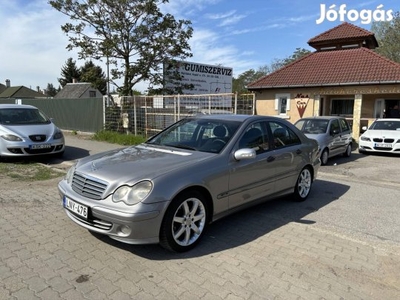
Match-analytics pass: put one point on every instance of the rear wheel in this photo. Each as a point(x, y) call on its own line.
point(324, 157)
point(184, 222)
point(347, 153)
point(303, 185)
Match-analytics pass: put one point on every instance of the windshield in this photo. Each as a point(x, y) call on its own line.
point(22, 116)
point(385, 125)
point(197, 134)
point(312, 126)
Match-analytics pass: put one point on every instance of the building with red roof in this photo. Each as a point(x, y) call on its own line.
point(344, 76)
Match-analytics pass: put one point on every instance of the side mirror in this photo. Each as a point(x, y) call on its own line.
point(245, 153)
point(364, 128)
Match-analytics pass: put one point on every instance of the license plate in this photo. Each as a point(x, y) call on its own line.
point(40, 146)
point(77, 208)
point(382, 145)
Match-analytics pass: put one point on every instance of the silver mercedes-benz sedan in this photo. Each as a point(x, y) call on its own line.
point(26, 131)
point(170, 188)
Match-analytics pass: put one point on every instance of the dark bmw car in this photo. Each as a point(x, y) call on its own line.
point(170, 188)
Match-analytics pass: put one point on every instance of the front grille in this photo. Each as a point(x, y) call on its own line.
point(380, 140)
point(37, 138)
point(92, 188)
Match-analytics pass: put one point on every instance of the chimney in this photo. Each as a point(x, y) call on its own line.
point(38, 89)
point(8, 84)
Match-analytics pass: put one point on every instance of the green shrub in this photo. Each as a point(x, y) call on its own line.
point(118, 138)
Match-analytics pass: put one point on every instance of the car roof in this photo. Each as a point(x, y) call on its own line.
point(239, 118)
point(322, 118)
point(8, 106)
point(387, 119)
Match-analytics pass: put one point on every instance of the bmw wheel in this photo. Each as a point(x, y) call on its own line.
point(184, 222)
point(303, 185)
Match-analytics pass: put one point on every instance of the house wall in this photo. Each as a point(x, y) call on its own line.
point(318, 101)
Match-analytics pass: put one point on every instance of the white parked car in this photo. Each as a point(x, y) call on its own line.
point(382, 136)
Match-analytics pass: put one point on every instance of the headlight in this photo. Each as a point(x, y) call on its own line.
point(58, 135)
point(12, 138)
point(365, 139)
point(70, 174)
point(131, 195)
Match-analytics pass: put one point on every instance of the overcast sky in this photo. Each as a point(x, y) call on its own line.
point(238, 34)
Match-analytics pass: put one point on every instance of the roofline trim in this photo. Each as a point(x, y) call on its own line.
point(324, 84)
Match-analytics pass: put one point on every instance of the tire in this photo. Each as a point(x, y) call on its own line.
point(324, 157)
point(303, 185)
point(347, 153)
point(184, 222)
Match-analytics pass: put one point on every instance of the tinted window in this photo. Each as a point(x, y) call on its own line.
point(283, 136)
point(345, 125)
point(255, 137)
point(335, 126)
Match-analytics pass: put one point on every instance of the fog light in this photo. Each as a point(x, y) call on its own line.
point(124, 230)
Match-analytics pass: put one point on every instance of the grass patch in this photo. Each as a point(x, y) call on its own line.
point(118, 138)
point(28, 171)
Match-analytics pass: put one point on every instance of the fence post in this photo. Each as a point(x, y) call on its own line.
point(134, 114)
point(254, 103)
point(235, 109)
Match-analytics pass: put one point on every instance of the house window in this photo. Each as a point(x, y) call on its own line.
point(92, 94)
point(342, 106)
point(282, 103)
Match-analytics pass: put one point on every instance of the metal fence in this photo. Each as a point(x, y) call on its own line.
point(147, 115)
point(138, 115)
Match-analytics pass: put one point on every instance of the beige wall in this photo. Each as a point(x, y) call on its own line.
point(265, 101)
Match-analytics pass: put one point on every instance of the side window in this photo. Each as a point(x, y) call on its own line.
point(255, 137)
point(335, 126)
point(282, 103)
point(344, 124)
point(283, 136)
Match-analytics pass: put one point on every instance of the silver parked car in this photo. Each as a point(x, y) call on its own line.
point(194, 172)
point(333, 134)
point(26, 131)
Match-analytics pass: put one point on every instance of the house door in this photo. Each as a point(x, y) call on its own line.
point(379, 108)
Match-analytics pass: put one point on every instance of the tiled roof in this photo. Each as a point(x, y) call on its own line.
point(338, 67)
point(344, 31)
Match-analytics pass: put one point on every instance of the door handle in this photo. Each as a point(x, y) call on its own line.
point(270, 158)
point(298, 151)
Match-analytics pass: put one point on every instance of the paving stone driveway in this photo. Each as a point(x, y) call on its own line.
point(278, 250)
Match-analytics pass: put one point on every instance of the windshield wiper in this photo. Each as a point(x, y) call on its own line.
point(182, 146)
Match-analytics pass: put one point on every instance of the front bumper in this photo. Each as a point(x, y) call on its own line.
point(138, 224)
point(16, 149)
point(366, 146)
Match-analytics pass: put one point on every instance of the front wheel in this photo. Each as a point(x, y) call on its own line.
point(184, 222)
point(303, 185)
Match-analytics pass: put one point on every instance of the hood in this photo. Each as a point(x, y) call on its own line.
point(26, 130)
point(394, 134)
point(132, 164)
